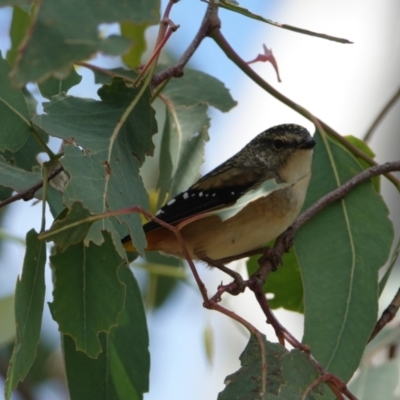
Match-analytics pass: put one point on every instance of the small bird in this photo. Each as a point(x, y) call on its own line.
point(283, 155)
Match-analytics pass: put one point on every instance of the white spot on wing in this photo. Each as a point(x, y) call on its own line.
point(185, 195)
point(171, 202)
point(200, 194)
point(159, 212)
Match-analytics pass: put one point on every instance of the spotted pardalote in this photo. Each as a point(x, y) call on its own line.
point(282, 155)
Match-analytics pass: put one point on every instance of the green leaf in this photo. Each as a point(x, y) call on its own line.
point(122, 369)
point(191, 131)
point(53, 43)
point(135, 32)
point(7, 326)
point(105, 79)
point(19, 25)
point(88, 296)
point(197, 87)
point(186, 128)
point(361, 145)
point(15, 125)
point(279, 375)
point(72, 229)
point(26, 156)
point(17, 178)
point(285, 283)
point(116, 139)
point(52, 86)
point(377, 382)
point(340, 251)
point(29, 300)
point(299, 372)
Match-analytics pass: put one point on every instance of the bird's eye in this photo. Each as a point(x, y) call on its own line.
point(278, 144)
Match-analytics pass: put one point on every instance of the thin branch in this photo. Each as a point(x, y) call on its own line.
point(209, 23)
point(29, 193)
point(341, 191)
point(236, 59)
point(389, 313)
point(240, 10)
point(382, 115)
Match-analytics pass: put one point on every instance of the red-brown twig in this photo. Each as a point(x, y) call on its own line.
point(181, 241)
point(209, 23)
point(389, 313)
point(342, 190)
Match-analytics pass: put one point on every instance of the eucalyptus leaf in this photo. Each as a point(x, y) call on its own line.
point(340, 251)
point(88, 295)
point(29, 302)
point(116, 135)
point(53, 43)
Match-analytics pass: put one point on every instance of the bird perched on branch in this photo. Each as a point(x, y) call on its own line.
point(241, 205)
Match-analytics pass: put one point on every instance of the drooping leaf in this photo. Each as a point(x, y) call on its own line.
point(122, 369)
point(186, 128)
point(15, 126)
point(53, 43)
point(116, 139)
point(340, 251)
point(88, 296)
point(29, 300)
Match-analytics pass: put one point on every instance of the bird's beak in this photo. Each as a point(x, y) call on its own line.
point(309, 144)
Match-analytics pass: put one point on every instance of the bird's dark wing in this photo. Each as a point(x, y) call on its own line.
point(213, 191)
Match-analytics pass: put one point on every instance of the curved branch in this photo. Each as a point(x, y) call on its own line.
point(29, 193)
point(382, 115)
